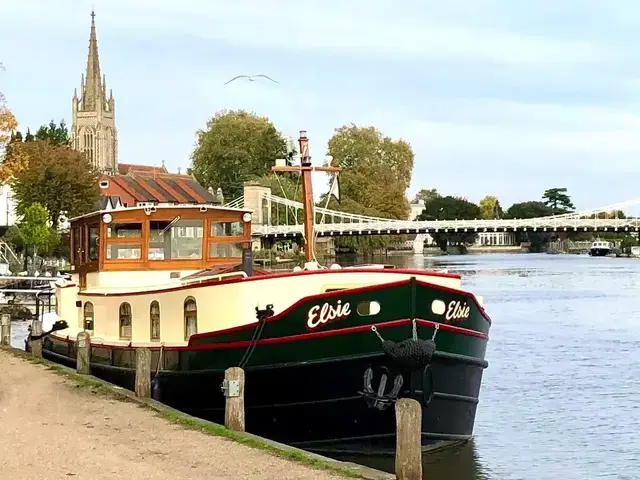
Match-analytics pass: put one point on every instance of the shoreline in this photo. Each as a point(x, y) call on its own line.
point(315, 465)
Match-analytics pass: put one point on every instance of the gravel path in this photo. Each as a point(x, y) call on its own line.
point(50, 430)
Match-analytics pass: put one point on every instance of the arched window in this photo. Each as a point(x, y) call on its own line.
point(88, 316)
point(190, 317)
point(154, 316)
point(125, 321)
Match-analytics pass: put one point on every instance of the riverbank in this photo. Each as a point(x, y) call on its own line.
point(57, 424)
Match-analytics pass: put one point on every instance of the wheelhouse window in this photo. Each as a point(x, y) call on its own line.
point(154, 315)
point(225, 250)
point(123, 251)
point(94, 239)
point(88, 316)
point(227, 229)
point(190, 317)
point(176, 239)
point(125, 321)
point(77, 247)
point(124, 230)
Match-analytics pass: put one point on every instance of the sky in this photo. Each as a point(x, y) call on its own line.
point(496, 97)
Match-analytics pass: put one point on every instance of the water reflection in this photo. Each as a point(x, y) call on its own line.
point(454, 463)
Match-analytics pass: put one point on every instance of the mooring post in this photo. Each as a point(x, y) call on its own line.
point(5, 329)
point(83, 353)
point(408, 439)
point(36, 345)
point(233, 389)
point(143, 372)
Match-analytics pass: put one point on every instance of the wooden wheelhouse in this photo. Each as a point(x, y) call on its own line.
point(176, 238)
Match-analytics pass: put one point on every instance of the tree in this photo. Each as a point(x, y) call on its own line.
point(8, 122)
point(235, 147)
point(533, 209)
point(376, 172)
point(451, 208)
point(32, 235)
point(59, 178)
point(425, 195)
point(558, 200)
point(490, 208)
point(55, 134)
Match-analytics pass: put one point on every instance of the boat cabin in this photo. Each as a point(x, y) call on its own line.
point(153, 244)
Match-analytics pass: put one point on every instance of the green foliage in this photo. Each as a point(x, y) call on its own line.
point(55, 134)
point(558, 200)
point(531, 209)
point(29, 136)
point(32, 235)
point(235, 147)
point(490, 208)
point(627, 242)
point(425, 195)
point(376, 172)
point(285, 187)
point(451, 208)
point(58, 178)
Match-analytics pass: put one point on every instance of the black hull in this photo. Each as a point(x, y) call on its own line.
point(599, 252)
point(318, 406)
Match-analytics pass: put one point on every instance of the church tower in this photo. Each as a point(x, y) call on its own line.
point(93, 130)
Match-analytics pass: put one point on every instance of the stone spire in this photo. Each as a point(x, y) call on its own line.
point(92, 92)
point(94, 129)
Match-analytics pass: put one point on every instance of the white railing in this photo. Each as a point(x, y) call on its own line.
point(349, 223)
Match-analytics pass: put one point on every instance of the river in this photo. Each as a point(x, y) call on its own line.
point(561, 396)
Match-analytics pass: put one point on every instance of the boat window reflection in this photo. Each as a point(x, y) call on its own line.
point(125, 321)
point(367, 308)
point(154, 314)
point(190, 317)
point(175, 240)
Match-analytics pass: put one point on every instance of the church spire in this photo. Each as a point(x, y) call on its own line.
point(92, 93)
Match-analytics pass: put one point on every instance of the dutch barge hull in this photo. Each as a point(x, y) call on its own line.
point(309, 389)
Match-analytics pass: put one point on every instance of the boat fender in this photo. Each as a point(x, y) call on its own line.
point(412, 353)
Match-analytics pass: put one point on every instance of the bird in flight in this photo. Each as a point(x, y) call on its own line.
point(251, 78)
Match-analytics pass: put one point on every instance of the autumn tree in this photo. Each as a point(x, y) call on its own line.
point(58, 178)
point(235, 147)
point(8, 122)
point(558, 200)
point(490, 208)
point(451, 208)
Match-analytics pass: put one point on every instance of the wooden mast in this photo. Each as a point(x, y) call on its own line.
point(305, 170)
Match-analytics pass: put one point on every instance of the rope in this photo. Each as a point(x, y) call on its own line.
point(257, 333)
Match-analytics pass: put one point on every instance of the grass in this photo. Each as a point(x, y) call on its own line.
point(100, 387)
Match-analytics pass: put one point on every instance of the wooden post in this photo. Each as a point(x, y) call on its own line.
point(408, 439)
point(143, 372)
point(83, 353)
point(233, 388)
point(36, 345)
point(5, 330)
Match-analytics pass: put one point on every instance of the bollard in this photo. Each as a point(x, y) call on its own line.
point(143, 372)
point(5, 330)
point(408, 439)
point(233, 389)
point(83, 353)
point(36, 345)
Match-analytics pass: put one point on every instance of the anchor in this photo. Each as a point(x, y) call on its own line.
point(379, 399)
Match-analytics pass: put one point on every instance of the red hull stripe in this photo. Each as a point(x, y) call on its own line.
point(272, 276)
point(306, 336)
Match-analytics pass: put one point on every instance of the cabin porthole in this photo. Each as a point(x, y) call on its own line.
point(366, 309)
point(438, 307)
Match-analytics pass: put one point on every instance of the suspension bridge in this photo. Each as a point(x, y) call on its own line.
point(280, 217)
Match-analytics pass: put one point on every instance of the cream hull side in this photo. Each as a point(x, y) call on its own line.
point(220, 306)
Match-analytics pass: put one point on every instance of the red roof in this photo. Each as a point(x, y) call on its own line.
point(125, 168)
point(156, 187)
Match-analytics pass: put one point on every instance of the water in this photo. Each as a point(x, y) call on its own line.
point(561, 396)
